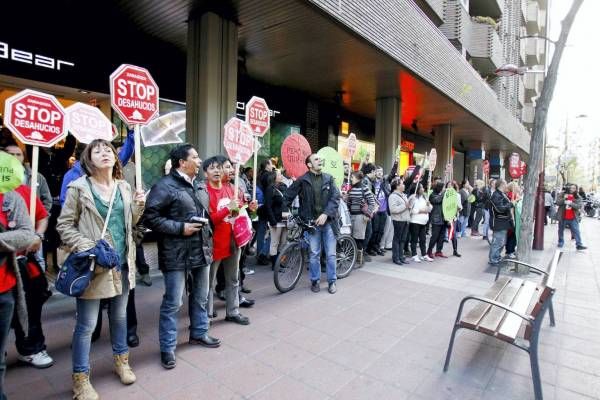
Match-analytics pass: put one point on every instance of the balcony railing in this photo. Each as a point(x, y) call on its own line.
point(487, 8)
point(533, 18)
point(533, 50)
point(485, 48)
point(456, 26)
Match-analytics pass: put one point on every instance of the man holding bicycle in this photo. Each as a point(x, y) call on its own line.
point(319, 201)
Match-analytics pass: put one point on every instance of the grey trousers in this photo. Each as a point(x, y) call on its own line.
point(498, 242)
point(230, 267)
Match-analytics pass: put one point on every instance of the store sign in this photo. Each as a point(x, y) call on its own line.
point(238, 140)
point(27, 57)
point(88, 123)
point(258, 116)
point(406, 145)
point(351, 146)
point(35, 118)
point(134, 94)
point(514, 165)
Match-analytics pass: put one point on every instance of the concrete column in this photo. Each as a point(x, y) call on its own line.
point(387, 130)
point(211, 88)
point(475, 170)
point(442, 142)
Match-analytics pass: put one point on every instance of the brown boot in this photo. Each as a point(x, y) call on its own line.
point(82, 388)
point(123, 369)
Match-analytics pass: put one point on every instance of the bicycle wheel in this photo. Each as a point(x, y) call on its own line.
point(288, 267)
point(345, 255)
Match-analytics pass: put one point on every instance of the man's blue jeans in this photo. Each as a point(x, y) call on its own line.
point(498, 242)
point(463, 221)
point(87, 317)
point(322, 237)
point(262, 245)
point(172, 301)
point(486, 222)
point(573, 225)
point(7, 305)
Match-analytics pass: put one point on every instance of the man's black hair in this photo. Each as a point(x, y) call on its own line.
point(218, 160)
point(307, 161)
point(368, 168)
point(180, 152)
point(222, 159)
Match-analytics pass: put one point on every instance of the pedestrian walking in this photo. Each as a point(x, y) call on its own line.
point(478, 206)
point(569, 208)
point(101, 197)
point(319, 202)
point(177, 209)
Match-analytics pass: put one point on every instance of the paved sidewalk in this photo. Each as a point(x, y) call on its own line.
point(382, 336)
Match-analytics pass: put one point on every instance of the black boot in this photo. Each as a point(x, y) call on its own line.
point(273, 261)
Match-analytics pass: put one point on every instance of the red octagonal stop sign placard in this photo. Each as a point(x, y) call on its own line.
point(257, 116)
point(35, 118)
point(238, 140)
point(134, 94)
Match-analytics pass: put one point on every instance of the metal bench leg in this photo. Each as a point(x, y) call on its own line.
point(450, 346)
point(535, 371)
point(551, 313)
point(498, 268)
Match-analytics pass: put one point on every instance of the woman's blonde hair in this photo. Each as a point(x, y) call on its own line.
point(86, 159)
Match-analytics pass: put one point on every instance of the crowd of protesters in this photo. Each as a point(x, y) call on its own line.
point(193, 213)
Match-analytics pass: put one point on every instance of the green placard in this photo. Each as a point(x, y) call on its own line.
point(333, 164)
point(450, 204)
point(11, 172)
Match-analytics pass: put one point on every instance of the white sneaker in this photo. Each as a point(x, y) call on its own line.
point(416, 259)
point(38, 360)
point(248, 271)
point(427, 258)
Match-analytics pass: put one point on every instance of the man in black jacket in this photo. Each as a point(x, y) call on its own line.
point(319, 201)
point(501, 216)
point(176, 209)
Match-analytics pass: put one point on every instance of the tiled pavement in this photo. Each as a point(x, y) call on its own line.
point(382, 336)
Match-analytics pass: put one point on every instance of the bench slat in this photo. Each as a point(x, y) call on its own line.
point(510, 326)
point(471, 320)
point(490, 323)
point(549, 280)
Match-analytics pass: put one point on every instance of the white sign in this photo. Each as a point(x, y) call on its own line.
point(88, 123)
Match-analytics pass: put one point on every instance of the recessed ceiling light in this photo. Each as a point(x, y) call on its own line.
point(83, 91)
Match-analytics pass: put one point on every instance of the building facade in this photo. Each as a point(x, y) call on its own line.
point(403, 73)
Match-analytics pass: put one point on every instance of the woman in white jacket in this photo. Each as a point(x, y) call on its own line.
point(419, 208)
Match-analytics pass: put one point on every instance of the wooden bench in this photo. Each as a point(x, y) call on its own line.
point(512, 311)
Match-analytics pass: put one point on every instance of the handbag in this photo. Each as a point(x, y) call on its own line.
point(77, 271)
point(242, 229)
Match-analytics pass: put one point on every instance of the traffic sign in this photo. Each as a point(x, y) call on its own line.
point(88, 123)
point(258, 116)
point(351, 146)
point(134, 94)
point(35, 118)
point(432, 159)
point(238, 141)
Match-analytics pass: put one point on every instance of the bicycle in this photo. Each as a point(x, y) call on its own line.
point(294, 257)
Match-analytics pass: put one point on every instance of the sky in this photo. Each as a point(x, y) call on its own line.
point(578, 87)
